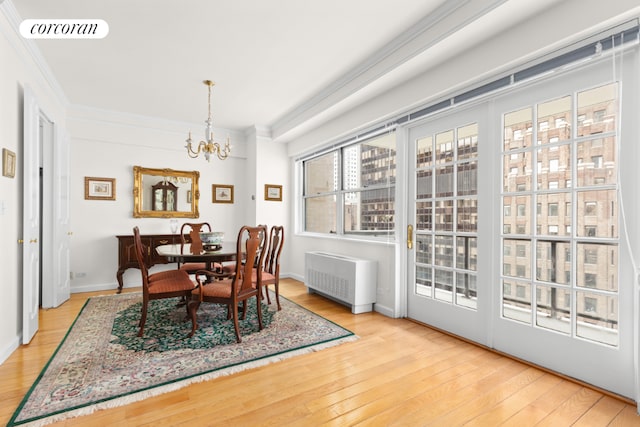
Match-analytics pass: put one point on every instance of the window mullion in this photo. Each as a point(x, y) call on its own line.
point(340, 195)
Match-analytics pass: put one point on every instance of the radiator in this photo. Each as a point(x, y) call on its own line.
point(342, 278)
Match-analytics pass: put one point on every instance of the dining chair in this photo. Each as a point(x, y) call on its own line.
point(194, 230)
point(230, 267)
point(163, 284)
point(236, 288)
point(271, 270)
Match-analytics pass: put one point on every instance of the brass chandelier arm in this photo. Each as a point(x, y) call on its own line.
point(208, 148)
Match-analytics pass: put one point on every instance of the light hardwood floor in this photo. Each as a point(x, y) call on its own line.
point(398, 373)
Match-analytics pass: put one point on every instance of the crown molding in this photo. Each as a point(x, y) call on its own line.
point(411, 43)
point(257, 131)
point(85, 113)
point(14, 19)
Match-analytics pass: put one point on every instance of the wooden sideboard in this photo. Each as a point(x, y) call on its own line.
point(127, 256)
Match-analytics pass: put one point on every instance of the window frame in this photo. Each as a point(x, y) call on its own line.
point(341, 191)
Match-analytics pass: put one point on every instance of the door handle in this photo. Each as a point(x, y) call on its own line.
point(410, 236)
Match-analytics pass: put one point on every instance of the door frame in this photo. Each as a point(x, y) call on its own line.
point(52, 239)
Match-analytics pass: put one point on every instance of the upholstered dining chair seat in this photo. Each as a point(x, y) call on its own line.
point(228, 268)
point(267, 278)
point(163, 275)
point(171, 284)
point(220, 288)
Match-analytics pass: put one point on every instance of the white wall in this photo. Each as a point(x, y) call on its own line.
point(16, 70)
point(109, 145)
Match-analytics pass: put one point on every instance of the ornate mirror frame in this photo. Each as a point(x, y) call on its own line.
point(191, 195)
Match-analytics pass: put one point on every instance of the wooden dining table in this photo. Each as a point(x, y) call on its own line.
point(183, 254)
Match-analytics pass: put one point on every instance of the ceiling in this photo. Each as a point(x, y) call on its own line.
point(282, 65)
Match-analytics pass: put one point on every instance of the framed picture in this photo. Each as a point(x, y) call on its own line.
point(99, 188)
point(222, 193)
point(8, 163)
point(273, 192)
point(188, 196)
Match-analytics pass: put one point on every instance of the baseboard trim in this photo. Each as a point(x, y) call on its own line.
point(7, 351)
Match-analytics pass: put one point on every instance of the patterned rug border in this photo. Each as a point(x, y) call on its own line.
point(172, 385)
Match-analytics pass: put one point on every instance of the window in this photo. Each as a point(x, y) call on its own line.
point(351, 190)
point(598, 115)
point(597, 161)
point(590, 256)
point(590, 259)
point(590, 305)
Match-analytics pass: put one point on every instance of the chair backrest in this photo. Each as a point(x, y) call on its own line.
point(139, 250)
point(194, 229)
point(276, 241)
point(250, 240)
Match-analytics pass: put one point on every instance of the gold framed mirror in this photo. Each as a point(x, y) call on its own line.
point(165, 193)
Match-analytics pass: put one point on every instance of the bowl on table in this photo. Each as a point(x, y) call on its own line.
point(212, 241)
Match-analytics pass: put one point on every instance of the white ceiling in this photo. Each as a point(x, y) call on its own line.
point(282, 64)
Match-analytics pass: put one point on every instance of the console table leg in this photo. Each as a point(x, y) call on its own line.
point(119, 276)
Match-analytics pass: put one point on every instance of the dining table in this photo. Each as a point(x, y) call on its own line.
point(182, 253)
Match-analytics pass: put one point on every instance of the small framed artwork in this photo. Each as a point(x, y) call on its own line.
point(188, 196)
point(8, 163)
point(222, 193)
point(99, 188)
point(273, 192)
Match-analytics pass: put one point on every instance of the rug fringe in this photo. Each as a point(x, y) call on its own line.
point(141, 395)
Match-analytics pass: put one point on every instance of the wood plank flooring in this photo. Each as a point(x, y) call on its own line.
point(399, 373)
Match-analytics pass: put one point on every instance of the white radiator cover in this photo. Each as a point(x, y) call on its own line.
point(346, 279)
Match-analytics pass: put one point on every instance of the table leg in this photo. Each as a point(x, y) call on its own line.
point(119, 277)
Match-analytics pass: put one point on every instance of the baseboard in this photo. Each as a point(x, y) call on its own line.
point(297, 277)
point(384, 310)
point(97, 287)
point(8, 351)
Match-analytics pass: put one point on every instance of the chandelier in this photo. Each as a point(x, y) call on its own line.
point(209, 147)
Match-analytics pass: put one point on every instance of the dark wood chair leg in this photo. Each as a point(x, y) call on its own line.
point(143, 318)
point(277, 286)
point(192, 308)
point(259, 310)
point(235, 322)
point(244, 309)
point(266, 291)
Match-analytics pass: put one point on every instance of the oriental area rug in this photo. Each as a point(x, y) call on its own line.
point(101, 362)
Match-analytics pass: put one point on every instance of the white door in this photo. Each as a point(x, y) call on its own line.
point(565, 286)
point(31, 218)
point(445, 225)
point(61, 221)
point(519, 241)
